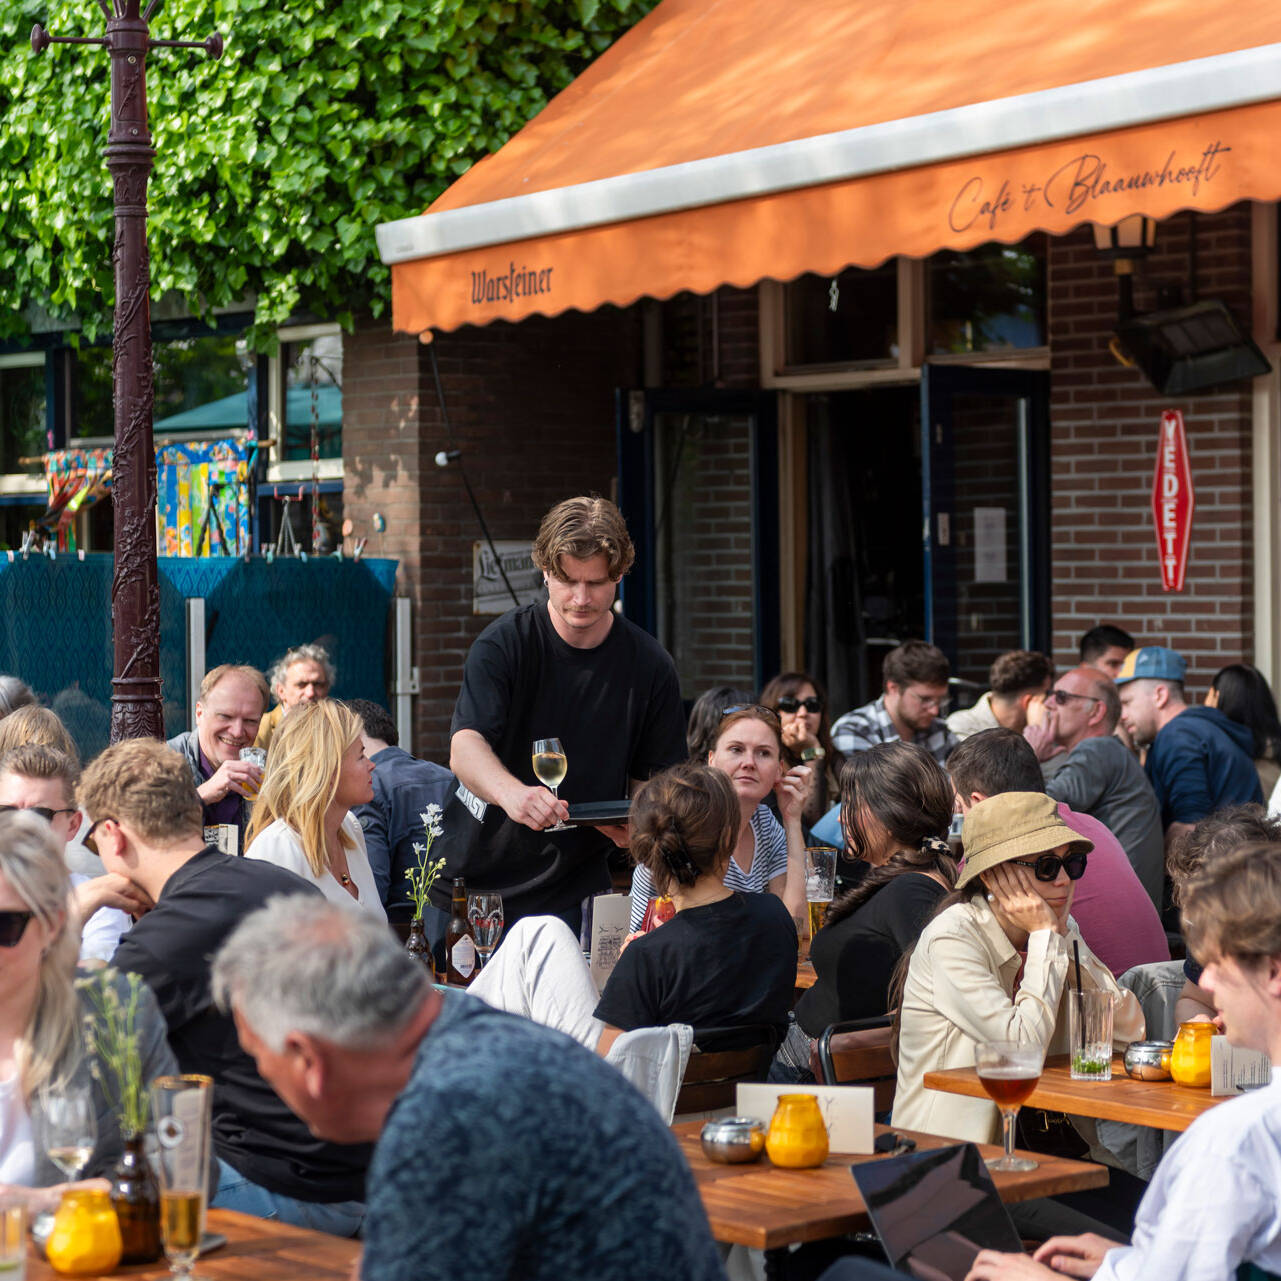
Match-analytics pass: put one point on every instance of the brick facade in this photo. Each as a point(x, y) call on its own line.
point(1103, 450)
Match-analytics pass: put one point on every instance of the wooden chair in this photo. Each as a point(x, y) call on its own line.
point(711, 1076)
point(857, 1052)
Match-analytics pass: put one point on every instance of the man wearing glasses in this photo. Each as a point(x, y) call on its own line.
point(1098, 775)
point(912, 707)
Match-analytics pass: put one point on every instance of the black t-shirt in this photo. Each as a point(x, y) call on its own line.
point(724, 964)
point(617, 711)
point(854, 959)
point(172, 947)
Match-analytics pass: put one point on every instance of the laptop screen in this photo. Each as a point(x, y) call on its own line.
point(934, 1211)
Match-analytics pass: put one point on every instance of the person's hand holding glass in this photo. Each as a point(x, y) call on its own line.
point(181, 1107)
point(485, 914)
point(550, 768)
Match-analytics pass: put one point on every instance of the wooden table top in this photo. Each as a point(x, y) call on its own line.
point(1159, 1104)
point(256, 1250)
point(766, 1207)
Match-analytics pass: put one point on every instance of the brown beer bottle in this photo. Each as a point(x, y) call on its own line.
point(460, 947)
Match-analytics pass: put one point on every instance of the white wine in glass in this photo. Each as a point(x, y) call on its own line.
point(68, 1128)
point(550, 768)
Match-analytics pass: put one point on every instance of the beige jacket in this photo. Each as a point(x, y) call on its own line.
point(972, 720)
point(960, 990)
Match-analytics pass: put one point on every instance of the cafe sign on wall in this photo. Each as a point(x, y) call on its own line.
point(1172, 501)
point(489, 591)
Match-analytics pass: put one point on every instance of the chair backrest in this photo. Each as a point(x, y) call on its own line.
point(711, 1076)
point(1157, 987)
point(858, 1052)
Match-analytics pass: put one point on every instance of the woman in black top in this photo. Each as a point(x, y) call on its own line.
point(896, 808)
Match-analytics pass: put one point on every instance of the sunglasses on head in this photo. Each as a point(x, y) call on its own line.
point(790, 703)
point(13, 925)
point(46, 814)
point(1046, 866)
point(751, 707)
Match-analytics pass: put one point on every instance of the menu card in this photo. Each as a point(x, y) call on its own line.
point(609, 929)
point(1234, 1070)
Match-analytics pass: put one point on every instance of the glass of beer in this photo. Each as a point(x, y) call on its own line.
point(820, 883)
point(255, 756)
point(181, 1107)
point(550, 768)
point(1009, 1073)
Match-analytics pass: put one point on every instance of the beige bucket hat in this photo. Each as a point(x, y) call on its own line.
point(1014, 825)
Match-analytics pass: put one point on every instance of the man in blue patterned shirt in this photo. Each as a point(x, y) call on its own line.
point(914, 677)
point(504, 1149)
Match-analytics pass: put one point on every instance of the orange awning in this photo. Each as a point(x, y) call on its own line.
point(730, 141)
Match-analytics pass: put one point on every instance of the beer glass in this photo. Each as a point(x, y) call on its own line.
point(13, 1236)
point(256, 756)
point(181, 1107)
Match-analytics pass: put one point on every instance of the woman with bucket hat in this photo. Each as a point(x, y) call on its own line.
point(995, 962)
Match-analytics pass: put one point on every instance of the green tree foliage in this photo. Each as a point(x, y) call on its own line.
point(324, 118)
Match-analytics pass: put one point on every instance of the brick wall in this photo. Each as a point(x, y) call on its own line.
point(1103, 450)
point(532, 409)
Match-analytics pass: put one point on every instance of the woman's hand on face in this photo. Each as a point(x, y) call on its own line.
point(795, 736)
point(792, 790)
point(1013, 893)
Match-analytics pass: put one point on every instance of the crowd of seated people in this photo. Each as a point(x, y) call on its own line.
point(951, 951)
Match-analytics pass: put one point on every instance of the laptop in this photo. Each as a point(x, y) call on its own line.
point(934, 1211)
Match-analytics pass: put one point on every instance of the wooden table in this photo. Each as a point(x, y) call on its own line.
point(256, 1250)
point(1159, 1104)
point(768, 1208)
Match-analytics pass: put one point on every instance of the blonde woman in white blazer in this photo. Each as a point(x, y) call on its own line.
point(995, 962)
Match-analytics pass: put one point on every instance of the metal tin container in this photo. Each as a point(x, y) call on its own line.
point(1148, 1060)
point(733, 1140)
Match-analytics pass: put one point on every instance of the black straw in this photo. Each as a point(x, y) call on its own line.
point(1080, 998)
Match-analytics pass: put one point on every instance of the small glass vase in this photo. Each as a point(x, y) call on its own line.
point(418, 947)
point(135, 1195)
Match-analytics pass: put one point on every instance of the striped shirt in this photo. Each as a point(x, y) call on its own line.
point(769, 861)
point(866, 726)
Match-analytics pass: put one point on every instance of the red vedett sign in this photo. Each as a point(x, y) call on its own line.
point(1172, 501)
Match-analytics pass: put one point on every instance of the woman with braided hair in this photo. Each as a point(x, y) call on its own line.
point(726, 959)
point(896, 807)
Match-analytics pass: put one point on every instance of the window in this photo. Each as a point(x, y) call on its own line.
point(22, 410)
point(311, 367)
point(986, 299)
point(849, 318)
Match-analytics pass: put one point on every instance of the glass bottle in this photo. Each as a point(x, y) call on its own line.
point(797, 1137)
point(460, 947)
point(85, 1240)
point(135, 1195)
point(1190, 1058)
point(417, 946)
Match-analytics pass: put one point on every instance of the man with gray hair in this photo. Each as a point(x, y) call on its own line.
point(305, 674)
point(556, 1169)
point(1099, 775)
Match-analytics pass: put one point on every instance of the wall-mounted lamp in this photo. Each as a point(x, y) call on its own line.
point(1131, 238)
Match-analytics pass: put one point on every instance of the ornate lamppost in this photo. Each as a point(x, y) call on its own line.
point(135, 589)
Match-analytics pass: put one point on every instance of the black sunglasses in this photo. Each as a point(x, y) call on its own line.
point(790, 703)
point(46, 814)
point(13, 925)
point(1046, 867)
point(89, 843)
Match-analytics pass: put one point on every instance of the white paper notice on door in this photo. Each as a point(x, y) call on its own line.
point(989, 545)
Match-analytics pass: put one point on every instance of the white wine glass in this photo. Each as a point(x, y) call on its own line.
point(68, 1127)
point(181, 1108)
point(485, 914)
point(550, 768)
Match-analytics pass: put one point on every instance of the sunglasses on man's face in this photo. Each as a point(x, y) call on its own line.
point(13, 925)
point(90, 841)
point(1046, 866)
point(789, 703)
point(1062, 697)
point(46, 814)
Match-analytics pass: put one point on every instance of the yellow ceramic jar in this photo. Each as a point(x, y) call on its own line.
point(1190, 1058)
point(85, 1240)
point(797, 1136)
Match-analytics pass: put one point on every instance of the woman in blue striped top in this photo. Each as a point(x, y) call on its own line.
point(769, 855)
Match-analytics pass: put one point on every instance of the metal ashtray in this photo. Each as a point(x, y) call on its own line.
point(733, 1140)
point(1148, 1060)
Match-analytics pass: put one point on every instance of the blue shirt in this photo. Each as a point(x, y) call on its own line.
point(1199, 763)
point(403, 788)
point(513, 1152)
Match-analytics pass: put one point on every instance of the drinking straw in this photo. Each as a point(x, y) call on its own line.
point(1080, 997)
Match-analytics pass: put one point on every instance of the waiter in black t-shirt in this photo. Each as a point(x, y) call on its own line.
point(566, 668)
